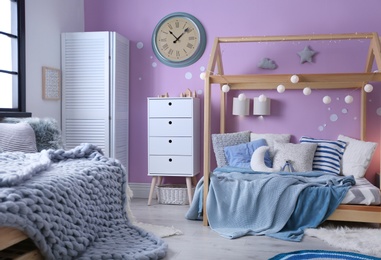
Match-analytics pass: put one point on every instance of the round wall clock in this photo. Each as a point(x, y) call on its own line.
point(179, 40)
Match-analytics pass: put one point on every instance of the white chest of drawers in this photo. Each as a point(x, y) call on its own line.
point(173, 139)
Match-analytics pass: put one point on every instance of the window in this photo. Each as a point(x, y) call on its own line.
point(12, 58)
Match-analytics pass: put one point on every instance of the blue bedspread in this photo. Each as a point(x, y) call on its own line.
point(279, 205)
point(73, 205)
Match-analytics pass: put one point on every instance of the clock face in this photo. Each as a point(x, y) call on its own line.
point(179, 40)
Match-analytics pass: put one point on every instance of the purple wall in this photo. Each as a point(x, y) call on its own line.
point(292, 112)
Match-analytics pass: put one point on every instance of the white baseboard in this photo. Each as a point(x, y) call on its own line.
point(140, 190)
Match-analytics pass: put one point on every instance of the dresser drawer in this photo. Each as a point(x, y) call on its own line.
point(170, 127)
point(167, 107)
point(170, 145)
point(170, 165)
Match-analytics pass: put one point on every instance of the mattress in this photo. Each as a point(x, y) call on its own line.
point(363, 193)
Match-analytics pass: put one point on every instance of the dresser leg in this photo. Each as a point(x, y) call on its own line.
point(152, 189)
point(189, 189)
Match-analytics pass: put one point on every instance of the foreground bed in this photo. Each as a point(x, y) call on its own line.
point(70, 205)
point(215, 76)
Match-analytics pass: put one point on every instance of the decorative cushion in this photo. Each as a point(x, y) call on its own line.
point(17, 138)
point(240, 155)
point(328, 154)
point(257, 162)
point(219, 141)
point(271, 139)
point(48, 135)
point(300, 156)
point(357, 156)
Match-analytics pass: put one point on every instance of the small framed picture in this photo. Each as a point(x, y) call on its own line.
point(51, 83)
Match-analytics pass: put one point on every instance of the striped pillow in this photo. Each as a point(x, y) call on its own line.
point(328, 154)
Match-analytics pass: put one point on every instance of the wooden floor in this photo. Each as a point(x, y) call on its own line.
point(200, 242)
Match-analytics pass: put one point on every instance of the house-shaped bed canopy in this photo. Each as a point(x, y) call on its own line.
point(215, 76)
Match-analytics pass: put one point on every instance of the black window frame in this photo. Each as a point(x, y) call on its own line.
point(20, 111)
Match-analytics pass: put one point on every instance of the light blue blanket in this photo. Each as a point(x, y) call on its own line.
point(279, 205)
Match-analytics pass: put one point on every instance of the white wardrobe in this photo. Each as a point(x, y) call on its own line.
point(95, 91)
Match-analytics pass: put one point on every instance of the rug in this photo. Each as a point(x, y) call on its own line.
point(158, 230)
point(359, 237)
point(320, 254)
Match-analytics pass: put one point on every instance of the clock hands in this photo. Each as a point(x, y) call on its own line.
point(178, 38)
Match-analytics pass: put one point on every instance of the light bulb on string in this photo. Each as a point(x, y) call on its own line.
point(280, 88)
point(225, 88)
point(294, 79)
point(368, 88)
point(307, 91)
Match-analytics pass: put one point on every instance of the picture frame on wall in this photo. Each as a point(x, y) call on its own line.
point(51, 83)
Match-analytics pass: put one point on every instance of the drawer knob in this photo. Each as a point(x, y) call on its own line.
point(170, 122)
point(169, 103)
point(170, 160)
point(170, 141)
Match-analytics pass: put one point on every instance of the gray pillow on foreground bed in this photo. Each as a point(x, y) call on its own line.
point(17, 138)
point(47, 133)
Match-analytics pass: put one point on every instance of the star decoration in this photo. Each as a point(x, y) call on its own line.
point(306, 54)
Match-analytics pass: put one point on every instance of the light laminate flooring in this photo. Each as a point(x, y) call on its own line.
point(200, 242)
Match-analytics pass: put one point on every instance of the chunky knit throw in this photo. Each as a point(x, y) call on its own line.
point(73, 205)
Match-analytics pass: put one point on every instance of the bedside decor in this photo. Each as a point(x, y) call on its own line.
point(51, 83)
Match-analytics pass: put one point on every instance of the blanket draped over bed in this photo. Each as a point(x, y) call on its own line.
point(73, 205)
point(279, 205)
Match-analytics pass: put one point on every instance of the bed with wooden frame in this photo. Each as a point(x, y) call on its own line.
point(215, 76)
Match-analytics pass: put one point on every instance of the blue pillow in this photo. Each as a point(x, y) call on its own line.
point(328, 154)
point(240, 155)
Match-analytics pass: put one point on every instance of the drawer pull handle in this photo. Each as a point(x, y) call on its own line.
point(170, 141)
point(170, 122)
point(170, 104)
point(170, 160)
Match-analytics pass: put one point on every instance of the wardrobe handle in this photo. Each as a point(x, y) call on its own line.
point(170, 160)
point(170, 122)
point(170, 141)
point(169, 103)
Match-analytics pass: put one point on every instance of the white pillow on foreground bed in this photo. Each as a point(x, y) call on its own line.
point(357, 156)
point(18, 137)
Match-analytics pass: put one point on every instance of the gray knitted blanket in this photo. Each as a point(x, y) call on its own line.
point(72, 204)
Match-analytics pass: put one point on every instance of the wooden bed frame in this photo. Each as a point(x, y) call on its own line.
point(356, 213)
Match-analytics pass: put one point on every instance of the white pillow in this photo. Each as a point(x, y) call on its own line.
point(271, 139)
point(299, 155)
point(257, 162)
point(18, 137)
point(357, 156)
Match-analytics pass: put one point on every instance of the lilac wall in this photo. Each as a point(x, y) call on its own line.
point(292, 112)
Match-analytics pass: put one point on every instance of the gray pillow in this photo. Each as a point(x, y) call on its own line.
point(17, 138)
point(299, 155)
point(220, 141)
point(48, 135)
